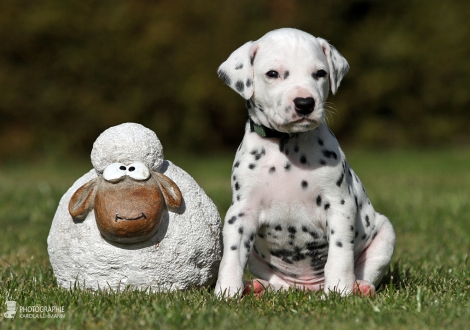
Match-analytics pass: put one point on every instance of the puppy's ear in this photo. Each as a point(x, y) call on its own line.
point(336, 62)
point(237, 70)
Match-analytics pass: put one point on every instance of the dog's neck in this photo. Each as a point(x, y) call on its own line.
point(267, 132)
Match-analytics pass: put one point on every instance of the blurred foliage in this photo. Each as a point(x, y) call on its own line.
point(71, 69)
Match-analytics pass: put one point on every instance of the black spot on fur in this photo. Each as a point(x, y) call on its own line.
point(327, 206)
point(237, 186)
point(258, 154)
point(272, 169)
point(239, 197)
point(278, 228)
point(251, 166)
point(247, 244)
point(304, 229)
point(364, 237)
point(352, 227)
point(233, 247)
point(304, 184)
point(224, 76)
point(340, 180)
point(339, 244)
point(332, 232)
point(286, 74)
point(291, 230)
point(316, 245)
point(367, 221)
point(342, 202)
point(239, 66)
point(240, 86)
point(252, 58)
point(249, 82)
point(318, 200)
point(287, 166)
point(303, 159)
point(241, 214)
point(232, 220)
point(320, 141)
point(260, 235)
point(237, 164)
point(314, 234)
point(240, 230)
point(329, 154)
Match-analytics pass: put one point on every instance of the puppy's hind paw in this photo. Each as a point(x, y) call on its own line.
point(257, 287)
point(363, 288)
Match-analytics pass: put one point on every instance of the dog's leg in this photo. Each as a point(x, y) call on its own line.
point(339, 268)
point(238, 235)
point(373, 262)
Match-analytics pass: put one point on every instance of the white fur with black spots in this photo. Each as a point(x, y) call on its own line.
point(300, 216)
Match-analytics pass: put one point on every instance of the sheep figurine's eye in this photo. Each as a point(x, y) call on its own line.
point(114, 172)
point(138, 171)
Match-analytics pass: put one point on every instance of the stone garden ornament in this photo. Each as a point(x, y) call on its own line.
point(134, 220)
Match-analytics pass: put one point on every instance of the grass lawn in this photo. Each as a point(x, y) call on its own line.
point(424, 193)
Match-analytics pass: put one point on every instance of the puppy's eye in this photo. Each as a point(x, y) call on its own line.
point(138, 171)
point(273, 74)
point(114, 172)
point(320, 74)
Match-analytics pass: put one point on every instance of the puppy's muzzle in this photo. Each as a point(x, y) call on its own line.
point(304, 105)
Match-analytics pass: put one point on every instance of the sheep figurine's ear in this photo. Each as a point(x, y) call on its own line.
point(83, 200)
point(337, 64)
point(237, 70)
point(171, 192)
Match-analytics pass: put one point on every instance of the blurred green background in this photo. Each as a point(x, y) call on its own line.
point(70, 69)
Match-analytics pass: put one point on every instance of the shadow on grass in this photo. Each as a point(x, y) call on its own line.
point(396, 277)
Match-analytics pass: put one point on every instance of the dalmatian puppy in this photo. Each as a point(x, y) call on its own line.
point(300, 216)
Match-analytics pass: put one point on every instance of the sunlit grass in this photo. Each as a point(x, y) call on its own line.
point(424, 193)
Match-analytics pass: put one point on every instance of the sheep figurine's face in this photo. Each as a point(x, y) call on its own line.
point(129, 201)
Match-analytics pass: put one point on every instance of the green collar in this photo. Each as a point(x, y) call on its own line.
point(266, 132)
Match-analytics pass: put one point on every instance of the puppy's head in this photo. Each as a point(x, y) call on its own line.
point(285, 77)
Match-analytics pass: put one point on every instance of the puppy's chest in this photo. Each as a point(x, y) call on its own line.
point(286, 182)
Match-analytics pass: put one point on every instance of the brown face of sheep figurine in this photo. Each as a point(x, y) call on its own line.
point(128, 200)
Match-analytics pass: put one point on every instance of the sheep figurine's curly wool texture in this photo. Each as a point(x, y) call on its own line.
point(185, 252)
point(127, 143)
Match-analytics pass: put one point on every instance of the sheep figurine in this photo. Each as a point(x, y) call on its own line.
point(135, 220)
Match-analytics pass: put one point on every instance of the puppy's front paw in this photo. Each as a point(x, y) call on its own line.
point(344, 288)
point(228, 291)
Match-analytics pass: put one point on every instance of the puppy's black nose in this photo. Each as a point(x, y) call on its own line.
point(304, 105)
